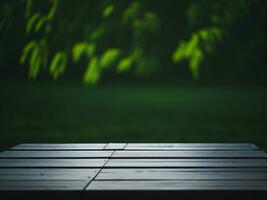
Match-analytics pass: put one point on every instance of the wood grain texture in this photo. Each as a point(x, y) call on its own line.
point(190, 146)
point(190, 154)
point(63, 147)
point(52, 163)
point(55, 154)
point(115, 146)
point(186, 163)
point(48, 174)
point(176, 174)
point(131, 170)
point(178, 185)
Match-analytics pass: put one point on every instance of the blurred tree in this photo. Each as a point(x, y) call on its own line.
point(120, 35)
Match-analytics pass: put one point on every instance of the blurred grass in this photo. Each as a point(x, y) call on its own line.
point(38, 111)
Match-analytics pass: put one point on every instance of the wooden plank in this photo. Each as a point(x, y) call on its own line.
point(48, 174)
point(58, 147)
point(189, 154)
point(55, 154)
point(178, 185)
point(44, 171)
point(46, 185)
point(171, 163)
point(176, 174)
point(52, 163)
point(190, 146)
point(239, 169)
point(115, 146)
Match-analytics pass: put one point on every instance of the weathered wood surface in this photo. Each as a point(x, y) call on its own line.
point(176, 174)
point(190, 146)
point(138, 146)
point(56, 154)
point(52, 163)
point(183, 163)
point(48, 174)
point(179, 185)
point(115, 146)
point(133, 154)
point(189, 154)
point(58, 147)
point(131, 170)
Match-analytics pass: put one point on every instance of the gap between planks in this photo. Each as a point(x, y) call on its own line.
point(87, 185)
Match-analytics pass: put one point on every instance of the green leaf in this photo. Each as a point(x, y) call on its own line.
point(131, 12)
point(195, 62)
point(125, 64)
point(180, 52)
point(204, 34)
point(192, 45)
point(31, 21)
point(193, 50)
point(35, 63)
point(108, 11)
point(37, 50)
point(82, 48)
point(40, 23)
point(109, 57)
point(78, 50)
point(97, 33)
point(92, 73)
point(26, 51)
point(90, 49)
point(58, 64)
point(53, 9)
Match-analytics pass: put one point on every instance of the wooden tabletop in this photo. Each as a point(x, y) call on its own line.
point(133, 170)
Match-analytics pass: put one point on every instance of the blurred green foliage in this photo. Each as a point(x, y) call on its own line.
point(35, 52)
point(201, 42)
point(122, 36)
point(58, 64)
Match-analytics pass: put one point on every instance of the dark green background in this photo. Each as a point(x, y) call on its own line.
point(64, 111)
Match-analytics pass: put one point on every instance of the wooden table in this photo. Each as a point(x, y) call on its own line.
point(133, 171)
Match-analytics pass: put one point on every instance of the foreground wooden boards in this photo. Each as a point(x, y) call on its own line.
point(133, 171)
point(133, 154)
point(56, 154)
point(48, 174)
point(44, 183)
point(52, 163)
point(137, 146)
point(182, 174)
point(190, 154)
point(190, 146)
point(186, 163)
point(70, 146)
point(178, 185)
